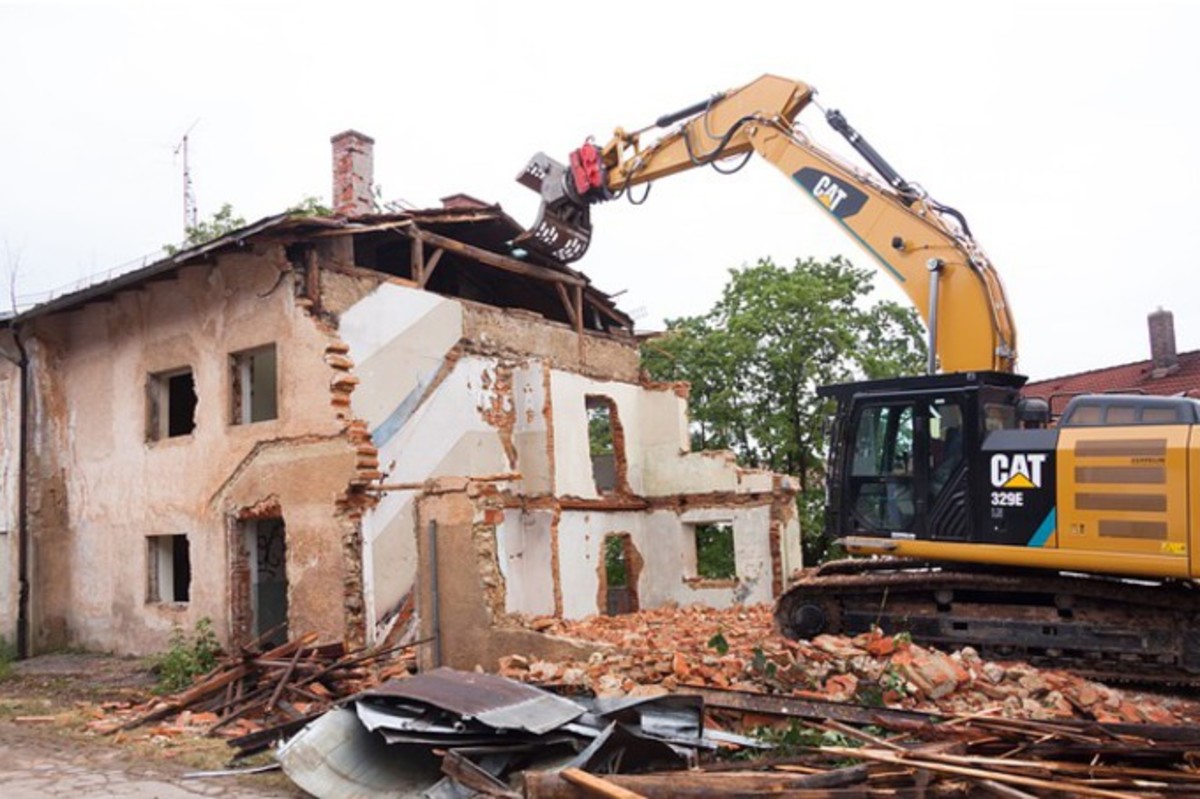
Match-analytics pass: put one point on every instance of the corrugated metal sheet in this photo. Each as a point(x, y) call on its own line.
point(335, 757)
point(496, 701)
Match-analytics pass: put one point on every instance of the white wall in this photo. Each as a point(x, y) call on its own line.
point(429, 422)
point(467, 425)
point(665, 540)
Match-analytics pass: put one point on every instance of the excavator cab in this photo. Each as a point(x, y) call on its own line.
point(905, 457)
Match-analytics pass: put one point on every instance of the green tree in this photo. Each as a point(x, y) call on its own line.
point(310, 206)
point(217, 225)
point(756, 359)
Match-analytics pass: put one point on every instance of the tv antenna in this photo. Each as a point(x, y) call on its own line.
point(189, 196)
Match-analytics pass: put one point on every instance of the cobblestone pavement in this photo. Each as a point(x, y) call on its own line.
point(41, 767)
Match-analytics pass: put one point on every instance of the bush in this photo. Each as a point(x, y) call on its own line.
point(187, 657)
point(8, 653)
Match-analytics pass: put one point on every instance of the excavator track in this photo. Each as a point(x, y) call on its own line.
point(1106, 628)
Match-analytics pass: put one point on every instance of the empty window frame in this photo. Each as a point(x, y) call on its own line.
point(602, 441)
point(168, 568)
point(171, 404)
point(715, 558)
point(254, 385)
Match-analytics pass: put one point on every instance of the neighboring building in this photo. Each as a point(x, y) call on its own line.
point(1167, 372)
point(352, 425)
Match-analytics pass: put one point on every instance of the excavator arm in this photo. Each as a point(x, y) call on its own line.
point(925, 247)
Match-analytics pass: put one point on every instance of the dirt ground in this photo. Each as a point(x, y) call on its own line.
point(46, 748)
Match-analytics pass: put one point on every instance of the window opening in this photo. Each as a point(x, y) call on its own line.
point(715, 558)
point(172, 404)
point(602, 442)
point(168, 568)
point(254, 385)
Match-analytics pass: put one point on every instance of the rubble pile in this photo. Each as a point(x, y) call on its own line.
point(739, 649)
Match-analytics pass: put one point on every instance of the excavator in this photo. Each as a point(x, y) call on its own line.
point(972, 519)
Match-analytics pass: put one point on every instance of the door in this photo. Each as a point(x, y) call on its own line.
point(266, 546)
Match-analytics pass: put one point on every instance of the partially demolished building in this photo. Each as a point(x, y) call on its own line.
point(353, 424)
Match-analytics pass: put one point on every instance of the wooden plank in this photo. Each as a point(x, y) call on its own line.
point(1004, 791)
point(417, 261)
point(566, 301)
point(189, 696)
point(434, 260)
point(283, 681)
point(579, 310)
point(456, 766)
point(613, 315)
point(597, 786)
point(844, 783)
point(489, 258)
point(1066, 786)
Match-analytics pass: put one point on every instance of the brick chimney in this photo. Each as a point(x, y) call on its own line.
point(1163, 359)
point(353, 173)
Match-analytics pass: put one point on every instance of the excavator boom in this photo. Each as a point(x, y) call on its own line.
point(927, 248)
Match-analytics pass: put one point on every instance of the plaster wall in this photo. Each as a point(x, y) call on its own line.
point(654, 422)
point(10, 387)
point(433, 411)
point(525, 552)
point(463, 615)
point(572, 455)
point(665, 541)
point(112, 487)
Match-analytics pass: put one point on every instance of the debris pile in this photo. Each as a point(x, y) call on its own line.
point(445, 731)
point(451, 733)
point(258, 695)
point(738, 649)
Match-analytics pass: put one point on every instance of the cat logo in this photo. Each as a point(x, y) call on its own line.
point(840, 199)
point(829, 193)
point(1017, 471)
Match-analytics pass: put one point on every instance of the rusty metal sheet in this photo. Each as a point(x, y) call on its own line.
point(498, 702)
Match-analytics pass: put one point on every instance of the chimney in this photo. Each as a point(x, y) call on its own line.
point(1163, 360)
point(353, 173)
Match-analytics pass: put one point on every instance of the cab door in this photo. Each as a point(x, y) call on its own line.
point(883, 495)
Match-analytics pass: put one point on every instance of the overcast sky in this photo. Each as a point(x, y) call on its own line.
point(1067, 132)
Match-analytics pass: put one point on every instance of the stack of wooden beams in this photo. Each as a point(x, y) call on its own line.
point(259, 695)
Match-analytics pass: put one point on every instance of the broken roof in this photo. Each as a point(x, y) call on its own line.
point(470, 256)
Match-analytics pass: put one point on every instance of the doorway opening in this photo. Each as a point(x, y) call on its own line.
point(263, 546)
point(619, 572)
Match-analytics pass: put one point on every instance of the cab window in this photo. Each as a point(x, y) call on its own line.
point(882, 487)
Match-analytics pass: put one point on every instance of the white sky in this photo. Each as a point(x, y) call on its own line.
point(1065, 131)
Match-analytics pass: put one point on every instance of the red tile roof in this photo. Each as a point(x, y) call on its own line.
point(1130, 378)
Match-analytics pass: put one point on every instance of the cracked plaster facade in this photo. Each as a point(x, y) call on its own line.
point(386, 391)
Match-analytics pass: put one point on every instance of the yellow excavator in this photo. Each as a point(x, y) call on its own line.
point(1075, 544)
